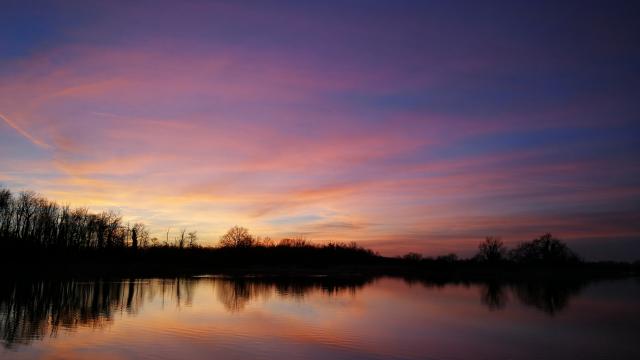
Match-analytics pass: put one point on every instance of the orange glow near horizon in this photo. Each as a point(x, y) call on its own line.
point(389, 128)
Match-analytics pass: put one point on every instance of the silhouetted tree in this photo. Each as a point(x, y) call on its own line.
point(155, 242)
point(30, 221)
point(491, 250)
point(297, 242)
point(134, 239)
point(544, 250)
point(182, 239)
point(264, 241)
point(193, 239)
point(6, 204)
point(142, 233)
point(237, 237)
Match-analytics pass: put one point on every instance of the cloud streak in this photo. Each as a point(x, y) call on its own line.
point(408, 128)
point(24, 133)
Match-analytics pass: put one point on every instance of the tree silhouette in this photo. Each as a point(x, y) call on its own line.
point(544, 250)
point(192, 237)
point(134, 239)
point(182, 239)
point(491, 250)
point(237, 237)
point(28, 221)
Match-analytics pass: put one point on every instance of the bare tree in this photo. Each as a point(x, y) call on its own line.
point(492, 250)
point(544, 250)
point(193, 239)
point(237, 237)
point(298, 242)
point(182, 238)
point(29, 219)
point(142, 233)
point(134, 239)
point(264, 241)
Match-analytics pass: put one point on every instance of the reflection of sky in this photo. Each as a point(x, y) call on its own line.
point(412, 126)
point(382, 320)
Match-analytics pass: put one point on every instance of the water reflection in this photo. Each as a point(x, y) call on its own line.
point(550, 296)
point(34, 309)
point(235, 294)
point(31, 310)
point(494, 295)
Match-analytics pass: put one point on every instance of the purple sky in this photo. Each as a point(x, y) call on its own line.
point(404, 125)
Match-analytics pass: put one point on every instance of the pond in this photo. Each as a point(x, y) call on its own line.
point(318, 318)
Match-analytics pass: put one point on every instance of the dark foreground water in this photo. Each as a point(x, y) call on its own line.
point(318, 318)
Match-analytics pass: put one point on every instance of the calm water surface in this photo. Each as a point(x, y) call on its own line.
point(318, 318)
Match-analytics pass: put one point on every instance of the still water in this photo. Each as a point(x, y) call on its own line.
point(318, 318)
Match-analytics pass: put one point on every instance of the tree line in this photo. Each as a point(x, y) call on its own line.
point(28, 220)
point(239, 237)
point(544, 250)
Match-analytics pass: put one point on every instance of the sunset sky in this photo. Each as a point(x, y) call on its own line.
point(404, 125)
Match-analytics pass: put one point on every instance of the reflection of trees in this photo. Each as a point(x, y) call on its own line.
point(548, 295)
point(31, 310)
point(34, 309)
point(494, 295)
point(551, 296)
point(235, 294)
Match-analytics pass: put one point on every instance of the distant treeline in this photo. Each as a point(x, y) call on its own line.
point(545, 250)
point(35, 230)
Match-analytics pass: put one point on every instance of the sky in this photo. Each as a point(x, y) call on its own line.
point(417, 126)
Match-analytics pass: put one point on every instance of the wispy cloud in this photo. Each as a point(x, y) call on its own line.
point(412, 128)
point(24, 133)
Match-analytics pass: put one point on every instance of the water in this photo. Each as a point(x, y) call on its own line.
point(318, 318)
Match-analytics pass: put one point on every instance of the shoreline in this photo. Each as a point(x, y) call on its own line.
point(437, 273)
